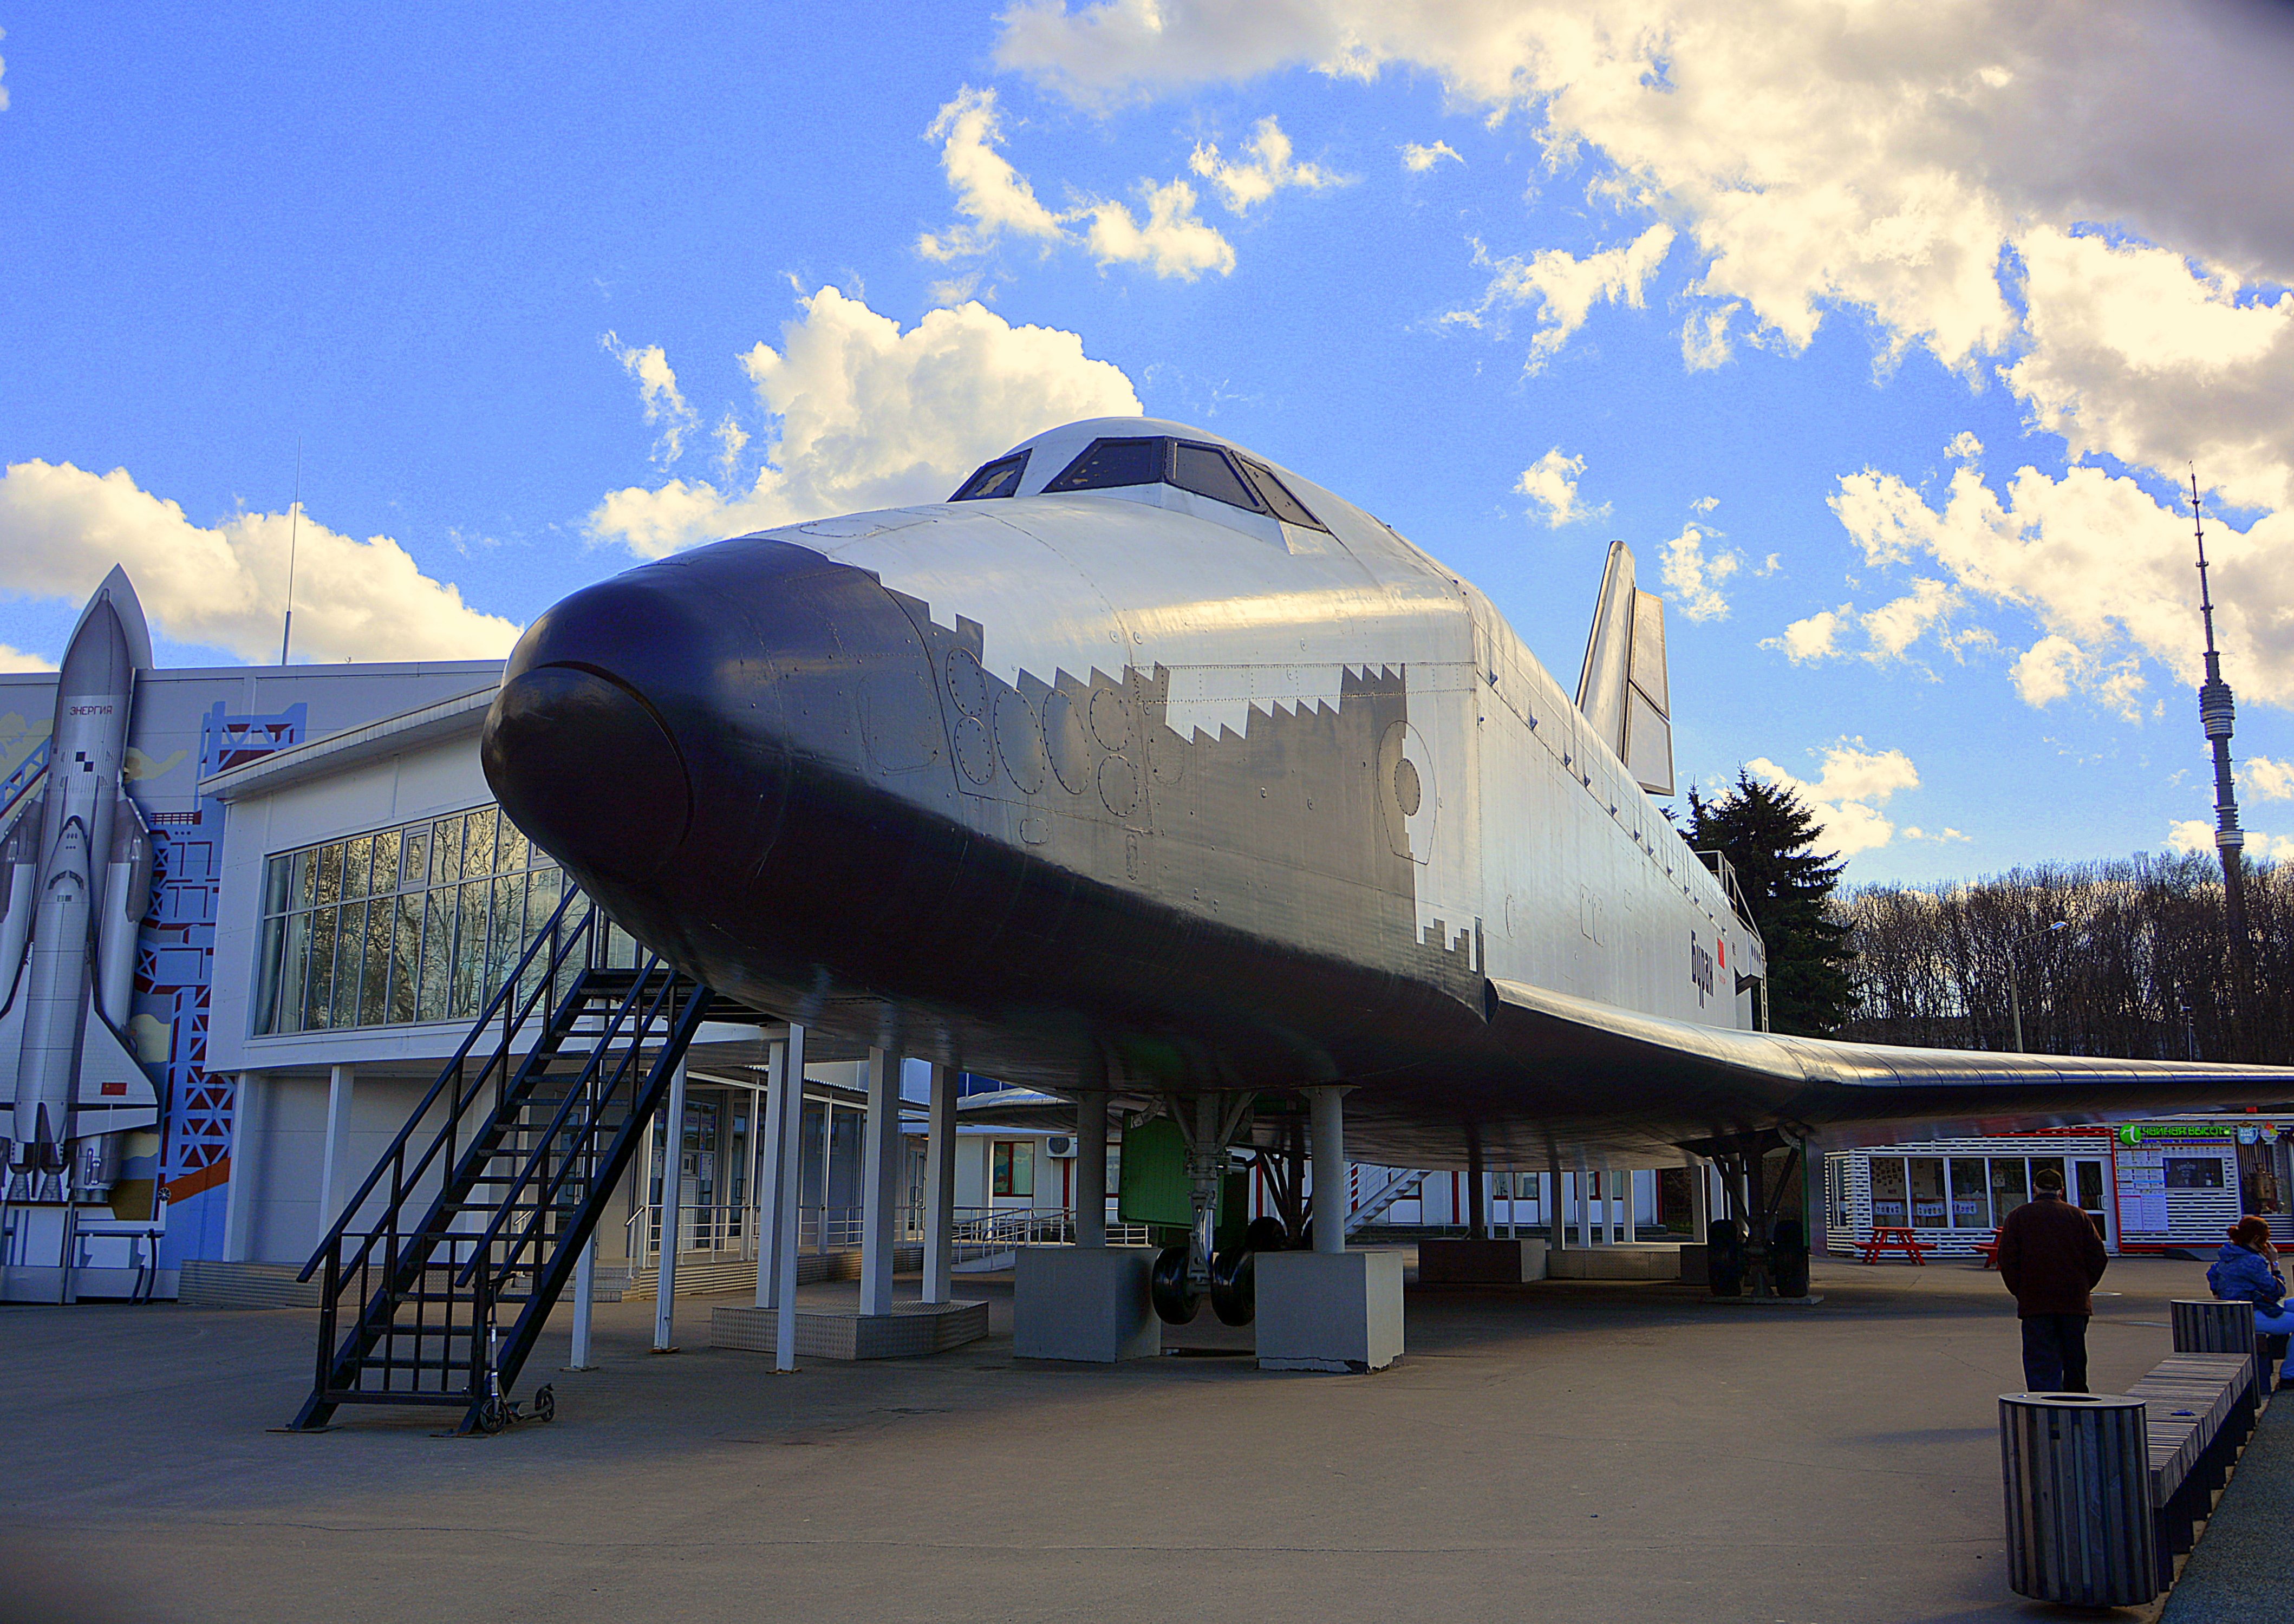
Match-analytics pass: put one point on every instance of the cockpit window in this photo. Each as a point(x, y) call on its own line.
point(1205, 470)
point(1106, 464)
point(997, 478)
point(1286, 507)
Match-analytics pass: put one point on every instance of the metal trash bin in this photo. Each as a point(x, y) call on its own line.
point(2208, 1324)
point(2077, 1471)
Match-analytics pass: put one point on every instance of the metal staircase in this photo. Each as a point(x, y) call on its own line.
point(537, 1116)
point(1399, 1185)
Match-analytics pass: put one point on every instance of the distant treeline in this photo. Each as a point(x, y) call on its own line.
point(2141, 968)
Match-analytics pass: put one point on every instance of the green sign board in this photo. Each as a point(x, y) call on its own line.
point(1155, 1187)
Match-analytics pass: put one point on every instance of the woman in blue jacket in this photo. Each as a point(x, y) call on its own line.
point(2245, 1272)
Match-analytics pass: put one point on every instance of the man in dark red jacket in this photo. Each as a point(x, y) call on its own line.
point(2050, 1257)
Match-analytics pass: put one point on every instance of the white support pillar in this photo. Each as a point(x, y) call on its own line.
point(788, 1105)
point(939, 1189)
point(1091, 1169)
point(1584, 1201)
point(769, 1169)
point(239, 1191)
point(333, 1189)
point(1327, 1142)
point(585, 1290)
point(1700, 1196)
point(1632, 1214)
point(880, 1180)
point(673, 1197)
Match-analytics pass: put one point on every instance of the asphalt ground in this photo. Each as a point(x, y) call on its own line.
point(1602, 1451)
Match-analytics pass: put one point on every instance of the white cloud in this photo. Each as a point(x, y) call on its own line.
point(2193, 834)
point(657, 391)
point(1894, 627)
point(1848, 795)
point(4, 98)
point(225, 586)
point(1706, 504)
point(1939, 837)
point(996, 199)
point(866, 416)
point(2051, 668)
point(1964, 446)
point(2189, 834)
point(1241, 185)
point(1173, 242)
point(1935, 168)
point(1816, 637)
point(1695, 576)
point(993, 197)
point(16, 659)
point(2103, 566)
point(1705, 337)
point(2268, 780)
point(732, 439)
point(1419, 159)
point(2135, 353)
point(1550, 482)
point(1564, 289)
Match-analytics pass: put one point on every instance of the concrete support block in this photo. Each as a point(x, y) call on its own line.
point(1480, 1263)
point(1083, 1303)
point(1648, 1262)
point(1329, 1310)
point(910, 1331)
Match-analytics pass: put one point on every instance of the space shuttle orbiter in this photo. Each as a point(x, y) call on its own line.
point(75, 880)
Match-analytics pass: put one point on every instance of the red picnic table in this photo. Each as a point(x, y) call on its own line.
point(1895, 1238)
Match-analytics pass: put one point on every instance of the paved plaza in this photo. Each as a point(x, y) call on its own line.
point(1578, 1449)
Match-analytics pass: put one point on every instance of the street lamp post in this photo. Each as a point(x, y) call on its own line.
point(2014, 1004)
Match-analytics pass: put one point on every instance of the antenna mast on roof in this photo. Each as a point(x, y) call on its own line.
point(2217, 712)
point(293, 524)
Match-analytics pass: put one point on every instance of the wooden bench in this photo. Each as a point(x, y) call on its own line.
point(1895, 1238)
point(2199, 1409)
point(1987, 1249)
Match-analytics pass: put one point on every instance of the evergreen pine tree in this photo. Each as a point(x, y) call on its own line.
point(1769, 835)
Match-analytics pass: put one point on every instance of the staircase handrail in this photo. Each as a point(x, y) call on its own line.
point(394, 1154)
point(663, 1003)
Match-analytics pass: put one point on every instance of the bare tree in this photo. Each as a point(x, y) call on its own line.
point(2142, 965)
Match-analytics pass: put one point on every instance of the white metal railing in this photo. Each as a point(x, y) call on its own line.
point(731, 1229)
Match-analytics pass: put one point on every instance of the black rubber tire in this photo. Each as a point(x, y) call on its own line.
point(1789, 1259)
point(1234, 1296)
point(1266, 1234)
point(1175, 1301)
point(1724, 1258)
point(545, 1403)
point(492, 1417)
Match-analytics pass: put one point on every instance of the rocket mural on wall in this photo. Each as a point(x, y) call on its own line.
point(75, 881)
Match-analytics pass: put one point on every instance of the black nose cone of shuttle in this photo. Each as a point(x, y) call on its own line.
point(582, 744)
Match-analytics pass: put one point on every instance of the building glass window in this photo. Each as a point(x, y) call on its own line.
point(1013, 1167)
point(419, 923)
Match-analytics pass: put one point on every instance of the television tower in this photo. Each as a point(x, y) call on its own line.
point(2217, 712)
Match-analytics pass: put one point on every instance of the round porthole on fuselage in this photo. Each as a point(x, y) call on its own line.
point(1019, 742)
point(1067, 743)
point(1407, 791)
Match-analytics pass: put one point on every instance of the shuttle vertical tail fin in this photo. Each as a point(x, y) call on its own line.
point(1623, 691)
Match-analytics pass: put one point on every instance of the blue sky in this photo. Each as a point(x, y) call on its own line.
point(1880, 338)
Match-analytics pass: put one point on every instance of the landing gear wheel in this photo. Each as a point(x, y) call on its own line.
point(1234, 1298)
point(1174, 1299)
point(545, 1403)
point(493, 1415)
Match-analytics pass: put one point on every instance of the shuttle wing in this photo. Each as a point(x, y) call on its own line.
point(115, 1092)
point(1739, 1080)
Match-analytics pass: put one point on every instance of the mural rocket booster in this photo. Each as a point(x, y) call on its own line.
point(75, 880)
